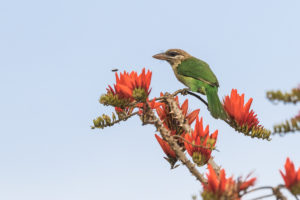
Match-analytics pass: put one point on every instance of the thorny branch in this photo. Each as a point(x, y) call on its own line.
point(150, 118)
point(166, 134)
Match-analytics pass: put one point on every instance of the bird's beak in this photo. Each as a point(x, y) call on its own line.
point(160, 56)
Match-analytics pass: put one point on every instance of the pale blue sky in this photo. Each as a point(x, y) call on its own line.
point(55, 62)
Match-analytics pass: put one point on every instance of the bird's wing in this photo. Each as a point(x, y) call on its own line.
point(197, 69)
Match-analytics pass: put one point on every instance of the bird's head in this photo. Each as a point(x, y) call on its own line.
point(173, 56)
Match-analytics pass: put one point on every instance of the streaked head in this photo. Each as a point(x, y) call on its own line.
point(173, 56)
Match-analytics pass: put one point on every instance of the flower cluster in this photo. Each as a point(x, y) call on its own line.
point(241, 117)
point(291, 177)
point(129, 87)
point(219, 187)
point(200, 144)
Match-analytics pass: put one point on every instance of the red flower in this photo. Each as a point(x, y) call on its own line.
point(152, 104)
point(165, 146)
point(126, 110)
point(292, 177)
point(235, 108)
point(219, 187)
point(199, 144)
point(246, 184)
point(164, 114)
point(132, 86)
point(190, 116)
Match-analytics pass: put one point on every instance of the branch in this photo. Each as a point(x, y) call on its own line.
point(183, 91)
point(262, 197)
point(275, 190)
point(166, 134)
point(183, 123)
point(259, 188)
point(214, 165)
point(278, 194)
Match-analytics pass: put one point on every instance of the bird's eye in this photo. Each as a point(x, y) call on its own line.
point(172, 53)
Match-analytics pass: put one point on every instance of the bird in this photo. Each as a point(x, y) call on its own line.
point(197, 75)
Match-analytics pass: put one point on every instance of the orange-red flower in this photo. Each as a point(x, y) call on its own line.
point(126, 110)
point(237, 111)
point(131, 85)
point(152, 104)
point(165, 147)
point(244, 185)
point(291, 177)
point(220, 187)
point(171, 156)
point(199, 144)
point(164, 114)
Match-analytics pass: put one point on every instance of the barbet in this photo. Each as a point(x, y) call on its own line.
point(197, 75)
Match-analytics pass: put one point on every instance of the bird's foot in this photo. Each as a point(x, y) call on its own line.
point(185, 91)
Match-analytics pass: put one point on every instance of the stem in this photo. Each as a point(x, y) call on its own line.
point(125, 118)
point(259, 188)
point(262, 197)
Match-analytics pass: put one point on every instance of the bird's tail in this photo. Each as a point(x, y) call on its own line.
point(214, 105)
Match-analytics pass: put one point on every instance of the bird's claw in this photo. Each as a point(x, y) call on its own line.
point(184, 91)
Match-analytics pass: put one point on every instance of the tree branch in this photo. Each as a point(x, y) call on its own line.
point(166, 134)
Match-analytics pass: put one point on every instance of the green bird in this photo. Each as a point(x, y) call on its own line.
point(197, 75)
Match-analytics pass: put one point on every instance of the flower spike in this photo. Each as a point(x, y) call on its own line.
point(242, 118)
point(200, 144)
point(129, 87)
point(219, 187)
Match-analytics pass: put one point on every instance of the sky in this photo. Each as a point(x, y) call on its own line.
point(55, 62)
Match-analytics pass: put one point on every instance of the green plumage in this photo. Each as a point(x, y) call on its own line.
point(197, 75)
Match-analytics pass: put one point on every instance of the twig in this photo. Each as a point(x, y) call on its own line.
point(126, 117)
point(278, 194)
point(259, 188)
point(262, 197)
